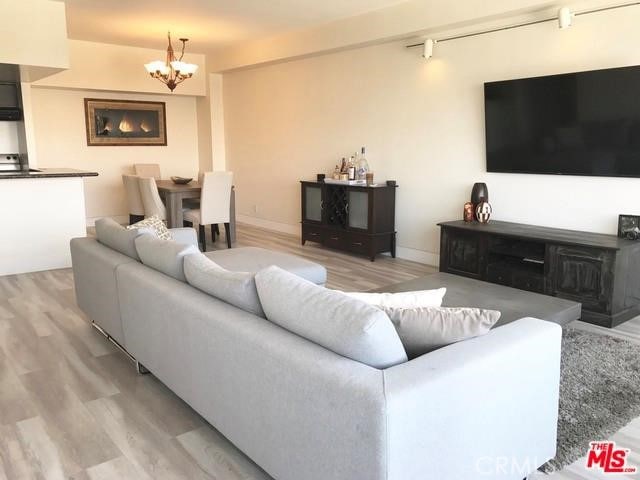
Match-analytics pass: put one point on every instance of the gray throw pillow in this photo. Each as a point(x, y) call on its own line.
point(115, 236)
point(166, 256)
point(236, 288)
point(428, 328)
point(346, 326)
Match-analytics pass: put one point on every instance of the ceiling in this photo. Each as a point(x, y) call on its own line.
point(210, 24)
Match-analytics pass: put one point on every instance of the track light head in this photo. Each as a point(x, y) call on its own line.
point(565, 18)
point(428, 48)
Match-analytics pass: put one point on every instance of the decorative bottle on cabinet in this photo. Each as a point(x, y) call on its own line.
point(351, 168)
point(362, 167)
point(478, 193)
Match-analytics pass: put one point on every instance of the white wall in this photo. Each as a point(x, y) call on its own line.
point(423, 125)
point(59, 133)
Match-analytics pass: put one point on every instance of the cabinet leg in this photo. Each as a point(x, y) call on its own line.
point(227, 233)
point(393, 245)
point(213, 232)
point(303, 241)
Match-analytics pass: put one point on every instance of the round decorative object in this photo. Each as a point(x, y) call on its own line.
point(468, 213)
point(180, 180)
point(479, 192)
point(483, 211)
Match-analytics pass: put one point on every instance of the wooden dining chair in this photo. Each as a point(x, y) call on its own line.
point(151, 198)
point(148, 170)
point(134, 199)
point(215, 203)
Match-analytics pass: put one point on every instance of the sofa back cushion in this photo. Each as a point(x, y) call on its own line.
point(236, 288)
point(428, 328)
point(344, 325)
point(166, 256)
point(115, 236)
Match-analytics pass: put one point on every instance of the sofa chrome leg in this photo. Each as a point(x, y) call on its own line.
point(142, 370)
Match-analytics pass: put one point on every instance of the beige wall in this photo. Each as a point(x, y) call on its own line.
point(102, 66)
point(59, 132)
point(423, 125)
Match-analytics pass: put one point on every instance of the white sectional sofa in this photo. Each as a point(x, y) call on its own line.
point(303, 412)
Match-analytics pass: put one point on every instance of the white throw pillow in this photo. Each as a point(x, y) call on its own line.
point(236, 288)
point(428, 328)
point(417, 299)
point(154, 223)
point(328, 318)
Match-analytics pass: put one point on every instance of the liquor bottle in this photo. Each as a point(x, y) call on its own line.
point(351, 167)
point(343, 165)
point(336, 173)
point(362, 168)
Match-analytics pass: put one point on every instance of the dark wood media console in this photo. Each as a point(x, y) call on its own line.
point(602, 272)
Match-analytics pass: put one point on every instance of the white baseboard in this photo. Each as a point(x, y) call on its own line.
point(420, 256)
point(269, 224)
point(121, 219)
point(405, 253)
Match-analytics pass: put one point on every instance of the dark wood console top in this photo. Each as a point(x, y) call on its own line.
point(544, 234)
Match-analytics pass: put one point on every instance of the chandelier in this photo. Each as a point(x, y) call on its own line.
point(172, 71)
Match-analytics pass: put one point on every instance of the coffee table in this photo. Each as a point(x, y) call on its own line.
point(511, 302)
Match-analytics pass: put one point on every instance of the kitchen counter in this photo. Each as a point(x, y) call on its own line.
point(48, 173)
point(49, 210)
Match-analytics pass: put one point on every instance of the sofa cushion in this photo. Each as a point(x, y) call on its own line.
point(428, 328)
point(417, 299)
point(166, 256)
point(254, 259)
point(344, 325)
point(115, 236)
point(156, 224)
point(236, 288)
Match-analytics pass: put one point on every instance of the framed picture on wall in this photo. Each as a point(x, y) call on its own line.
point(125, 122)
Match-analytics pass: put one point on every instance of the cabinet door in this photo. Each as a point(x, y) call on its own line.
point(358, 208)
point(312, 203)
point(584, 275)
point(463, 253)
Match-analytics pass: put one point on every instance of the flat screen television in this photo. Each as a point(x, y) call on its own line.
point(585, 123)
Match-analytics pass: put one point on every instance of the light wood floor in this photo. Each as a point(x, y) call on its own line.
point(72, 406)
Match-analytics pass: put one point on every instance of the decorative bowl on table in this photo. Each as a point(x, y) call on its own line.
point(181, 180)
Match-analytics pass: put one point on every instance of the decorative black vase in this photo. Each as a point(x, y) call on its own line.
point(479, 192)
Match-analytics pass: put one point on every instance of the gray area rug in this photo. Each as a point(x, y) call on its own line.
point(599, 392)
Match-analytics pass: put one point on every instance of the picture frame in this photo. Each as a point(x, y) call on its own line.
point(628, 225)
point(125, 122)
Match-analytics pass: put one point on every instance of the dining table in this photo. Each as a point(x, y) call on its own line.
point(174, 194)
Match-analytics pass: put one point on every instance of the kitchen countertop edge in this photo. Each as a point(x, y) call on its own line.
point(49, 173)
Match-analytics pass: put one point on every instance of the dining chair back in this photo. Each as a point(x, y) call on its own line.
point(148, 170)
point(134, 199)
point(151, 198)
point(215, 199)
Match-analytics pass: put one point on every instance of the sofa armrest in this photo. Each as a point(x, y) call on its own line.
point(482, 408)
point(186, 235)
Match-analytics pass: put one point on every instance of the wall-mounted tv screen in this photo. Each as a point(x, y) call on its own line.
point(585, 123)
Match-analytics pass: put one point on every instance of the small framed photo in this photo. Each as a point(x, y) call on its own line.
point(629, 227)
point(124, 122)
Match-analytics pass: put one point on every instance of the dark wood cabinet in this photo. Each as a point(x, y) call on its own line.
point(602, 272)
point(353, 218)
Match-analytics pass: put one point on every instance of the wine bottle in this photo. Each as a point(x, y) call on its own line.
point(362, 167)
point(352, 168)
